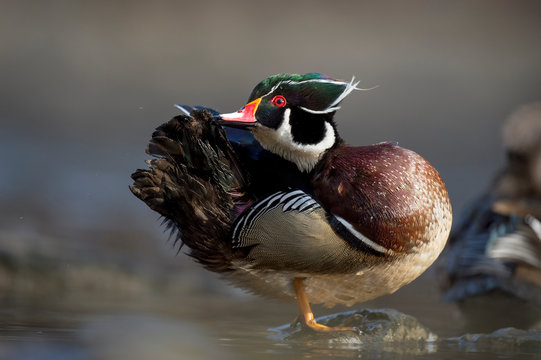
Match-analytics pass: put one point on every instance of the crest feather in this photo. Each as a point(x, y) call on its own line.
point(318, 93)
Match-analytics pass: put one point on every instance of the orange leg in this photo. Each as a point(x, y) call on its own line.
point(307, 316)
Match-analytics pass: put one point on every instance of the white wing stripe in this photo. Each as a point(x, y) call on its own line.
point(363, 238)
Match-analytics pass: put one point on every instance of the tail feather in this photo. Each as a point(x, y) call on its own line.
point(193, 182)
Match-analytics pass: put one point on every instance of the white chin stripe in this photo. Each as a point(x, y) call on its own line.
point(363, 238)
point(280, 142)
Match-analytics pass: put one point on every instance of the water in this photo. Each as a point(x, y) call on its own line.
point(229, 325)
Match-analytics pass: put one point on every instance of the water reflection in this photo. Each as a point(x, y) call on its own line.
point(378, 329)
point(225, 325)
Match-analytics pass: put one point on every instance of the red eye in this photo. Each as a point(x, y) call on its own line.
point(279, 101)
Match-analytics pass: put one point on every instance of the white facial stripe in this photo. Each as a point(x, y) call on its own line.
point(293, 82)
point(349, 86)
point(280, 142)
point(363, 238)
point(325, 111)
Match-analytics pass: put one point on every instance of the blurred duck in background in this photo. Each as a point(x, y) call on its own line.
point(492, 263)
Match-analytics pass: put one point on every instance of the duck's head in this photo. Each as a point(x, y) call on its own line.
point(292, 115)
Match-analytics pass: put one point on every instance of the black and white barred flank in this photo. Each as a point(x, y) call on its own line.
point(296, 200)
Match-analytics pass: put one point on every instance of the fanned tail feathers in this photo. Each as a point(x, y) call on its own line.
point(193, 182)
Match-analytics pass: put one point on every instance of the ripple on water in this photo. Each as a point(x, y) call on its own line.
point(389, 331)
point(380, 329)
point(506, 340)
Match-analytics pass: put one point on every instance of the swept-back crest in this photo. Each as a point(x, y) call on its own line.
point(313, 92)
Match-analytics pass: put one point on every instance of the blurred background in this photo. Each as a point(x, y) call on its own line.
point(83, 85)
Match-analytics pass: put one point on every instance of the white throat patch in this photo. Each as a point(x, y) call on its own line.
point(280, 141)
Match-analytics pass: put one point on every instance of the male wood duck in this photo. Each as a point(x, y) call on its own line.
point(280, 205)
point(494, 255)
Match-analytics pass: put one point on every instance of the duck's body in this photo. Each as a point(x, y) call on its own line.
point(308, 214)
point(350, 244)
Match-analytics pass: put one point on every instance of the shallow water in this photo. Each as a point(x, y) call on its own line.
point(229, 325)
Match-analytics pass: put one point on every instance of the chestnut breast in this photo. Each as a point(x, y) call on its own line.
point(390, 194)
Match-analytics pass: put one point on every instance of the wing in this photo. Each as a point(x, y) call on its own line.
point(195, 182)
point(291, 231)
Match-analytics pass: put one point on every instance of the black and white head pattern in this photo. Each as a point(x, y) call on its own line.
point(294, 117)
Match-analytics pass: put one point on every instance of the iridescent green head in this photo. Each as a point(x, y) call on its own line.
point(291, 115)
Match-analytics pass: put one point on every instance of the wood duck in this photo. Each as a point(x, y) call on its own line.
point(279, 204)
point(495, 252)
